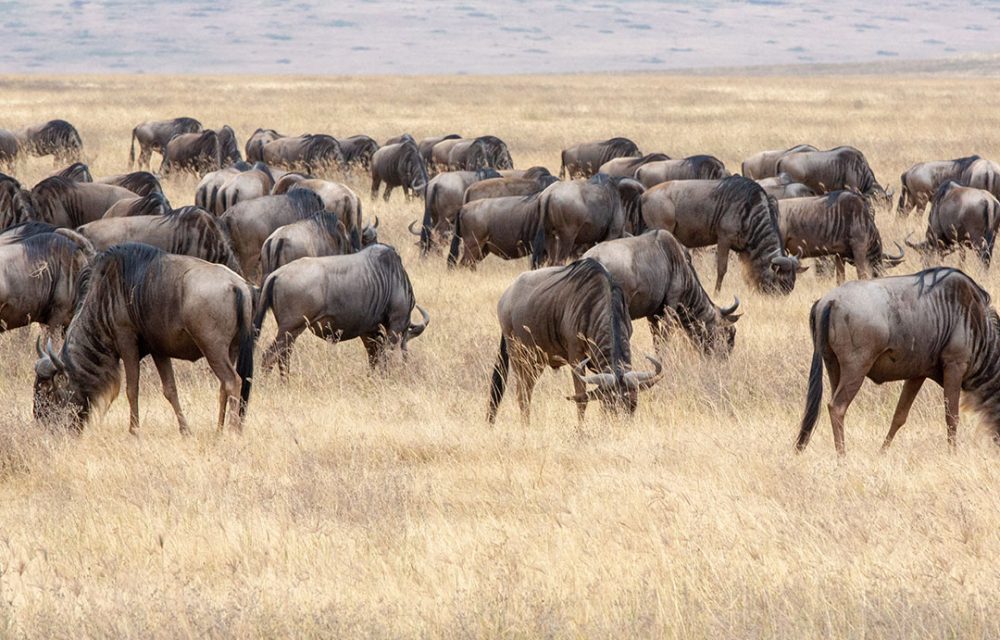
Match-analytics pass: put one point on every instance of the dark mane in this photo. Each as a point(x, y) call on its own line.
point(963, 163)
point(27, 229)
point(304, 201)
point(487, 173)
point(938, 275)
point(140, 183)
point(943, 188)
point(78, 172)
point(617, 148)
point(322, 147)
point(53, 186)
point(329, 223)
point(583, 276)
point(646, 159)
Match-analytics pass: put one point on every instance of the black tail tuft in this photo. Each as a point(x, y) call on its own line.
point(456, 241)
point(244, 360)
point(266, 300)
point(538, 244)
point(425, 230)
point(814, 395)
point(499, 382)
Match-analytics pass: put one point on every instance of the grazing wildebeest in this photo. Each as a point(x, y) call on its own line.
point(363, 295)
point(505, 227)
point(189, 231)
point(197, 153)
point(426, 147)
point(961, 217)
point(153, 135)
point(8, 149)
point(779, 188)
point(764, 164)
point(443, 198)
point(77, 171)
point(337, 198)
point(313, 152)
point(921, 181)
point(120, 318)
point(324, 234)
point(250, 222)
point(64, 203)
point(39, 266)
point(222, 189)
point(440, 152)
point(982, 174)
point(626, 167)
point(574, 315)
point(399, 165)
point(155, 204)
point(839, 224)
point(57, 138)
point(735, 214)
point(16, 203)
point(229, 148)
point(479, 153)
point(833, 170)
point(141, 183)
point(255, 143)
point(577, 215)
point(358, 151)
point(691, 168)
point(508, 186)
point(655, 273)
point(935, 324)
point(584, 160)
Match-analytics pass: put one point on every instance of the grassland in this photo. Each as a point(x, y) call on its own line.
point(356, 505)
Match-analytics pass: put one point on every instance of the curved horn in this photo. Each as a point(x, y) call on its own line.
point(416, 233)
point(790, 262)
point(597, 379)
point(640, 380)
point(728, 311)
point(50, 352)
point(894, 260)
point(38, 347)
point(416, 329)
point(375, 226)
point(910, 244)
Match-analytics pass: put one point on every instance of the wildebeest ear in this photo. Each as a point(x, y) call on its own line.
point(734, 317)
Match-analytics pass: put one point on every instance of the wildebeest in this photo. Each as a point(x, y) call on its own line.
point(921, 181)
point(358, 151)
point(426, 146)
point(839, 224)
point(120, 318)
point(57, 138)
point(982, 174)
point(509, 186)
point(197, 153)
point(764, 164)
point(141, 183)
point(584, 160)
point(440, 152)
point(505, 227)
point(39, 266)
point(574, 315)
point(337, 198)
point(153, 135)
point(250, 222)
point(8, 149)
point(575, 216)
point(935, 324)
point(961, 217)
point(691, 168)
point(399, 165)
point(154, 204)
point(189, 231)
point(312, 152)
point(479, 153)
point(626, 167)
point(222, 189)
point(655, 273)
point(363, 295)
point(779, 188)
point(229, 148)
point(735, 214)
point(323, 234)
point(255, 143)
point(443, 198)
point(65, 203)
point(16, 203)
point(833, 170)
point(77, 171)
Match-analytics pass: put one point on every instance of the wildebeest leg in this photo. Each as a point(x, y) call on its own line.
point(721, 264)
point(145, 153)
point(472, 253)
point(952, 383)
point(580, 391)
point(281, 349)
point(838, 264)
point(526, 376)
point(229, 390)
point(375, 346)
point(659, 327)
point(388, 190)
point(910, 389)
point(861, 262)
point(850, 382)
point(130, 359)
point(166, 371)
point(376, 183)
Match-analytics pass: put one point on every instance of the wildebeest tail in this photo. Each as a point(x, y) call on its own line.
point(905, 197)
point(244, 359)
point(820, 330)
point(562, 166)
point(425, 228)
point(131, 153)
point(990, 233)
point(356, 231)
point(498, 383)
point(538, 243)
point(456, 240)
point(266, 300)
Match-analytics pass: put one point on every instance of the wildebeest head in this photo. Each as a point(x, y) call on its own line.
point(716, 336)
point(55, 400)
point(618, 390)
point(369, 235)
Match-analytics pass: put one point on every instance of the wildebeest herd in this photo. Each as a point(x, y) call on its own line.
point(96, 261)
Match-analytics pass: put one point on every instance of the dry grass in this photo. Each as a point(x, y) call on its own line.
point(361, 506)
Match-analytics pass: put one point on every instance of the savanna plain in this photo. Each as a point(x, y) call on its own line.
point(368, 505)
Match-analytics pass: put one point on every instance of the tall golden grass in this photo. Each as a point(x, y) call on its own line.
point(360, 505)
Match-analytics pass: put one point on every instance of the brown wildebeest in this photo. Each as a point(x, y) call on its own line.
point(833, 170)
point(155, 204)
point(577, 215)
point(479, 153)
point(626, 167)
point(508, 186)
point(78, 172)
point(399, 165)
point(8, 149)
point(57, 138)
point(982, 174)
point(505, 227)
point(358, 151)
point(574, 315)
point(961, 217)
point(229, 148)
point(16, 203)
point(655, 273)
point(337, 198)
point(364, 295)
point(312, 152)
point(839, 224)
point(324, 234)
point(440, 152)
point(426, 147)
point(443, 198)
point(120, 318)
point(197, 153)
point(735, 214)
point(141, 183)
point(780, 188)
point(935, 324)
point(584, 160)
point(922, 180)
point(189, 231)
point(690, 168)
point(64, 203)
point(255, 143)
point(223, 189)
point(153, 135)
point(764, 164)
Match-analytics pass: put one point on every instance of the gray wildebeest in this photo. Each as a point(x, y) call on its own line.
point(364, 295)
point(39, 266)
point(833, 170)
point(197, 153)
point(735, 214)
point(154, 204)
point(780, 188)
point(337, 198)
point(764, 164)
point(16, 203)
point(626, 167)
point(839, 224)
point(8, 149)
point(691, 168)
point(229, 148)
point(575, 216)
point(153, 135)
point(961, 217)
point(77, 171)
point(479, 153)
point(426, 146)
point(574, 315)
point(255, 143)
point(922, 180)
point(358, 151)
point(120, 319)
point(223, 189)
point(443, 198)
point(510, 186)
point(141, 183)
point(655, 273)
point(935, 324)
point(57, 138)
point(324, 234)
point(584, 160)
point(505, 227)
point(65, 203)
point(982, 174)
point(399, 165)
point(311, 152)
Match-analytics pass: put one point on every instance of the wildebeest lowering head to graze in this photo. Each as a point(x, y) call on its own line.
point(764, 164)
point(399, 165)
point(935, 324)
point(701, 167)
point(229, 148)
point(626, 167)
point(65, 203)
point(584, 160)
point(961, 217)
point(16, 203)
point(781, 188)
point(479, 153)
point(120, 319)
point(982, 174)
point(78, 171)
point(154, 204)
point(197, 153)
point(323, 234)
point(311, 152)
point(919, 183)
point(141, 183)
point(153, 135)
point(443, 198)
point(358, 151)
point(255, 143)
point(505, 227)
point(574, 315)
point(833, 170)
point(57, 138)
point(8, 149)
